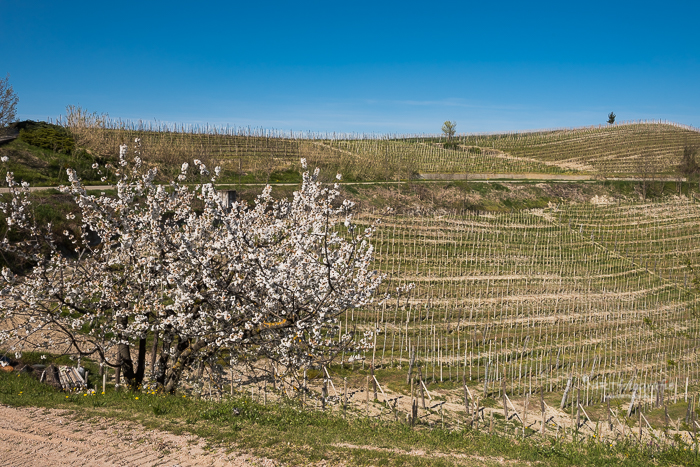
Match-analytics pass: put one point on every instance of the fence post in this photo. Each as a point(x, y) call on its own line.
point(367, 398)
point(544, 416)
point(505, 402)
point(411, 361)
point(420, 386)
point(475, 416)
point(345, 396)
point(303, 391)
point(118, 373)
point(374, 382)
point(413, 402)
point(578, 408)
point(466, 396)
point(527, 403)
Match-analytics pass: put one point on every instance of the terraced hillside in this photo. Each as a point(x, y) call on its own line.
point(599, 293)
point(427, 157)
point(635, 149)
point(617, 149)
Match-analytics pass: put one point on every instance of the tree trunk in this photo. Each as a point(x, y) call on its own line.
point(134, 377)
point(154, 352)
point(184, 360)
point(163, 358)
point(141, 365)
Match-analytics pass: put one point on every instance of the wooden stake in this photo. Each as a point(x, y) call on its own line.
point(527, 403)
point(367, 397)
point(374, 381)
point(345, 395)
point(544, 416)
point(505, 403)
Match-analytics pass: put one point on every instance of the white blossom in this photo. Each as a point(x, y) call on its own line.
point(263, 280)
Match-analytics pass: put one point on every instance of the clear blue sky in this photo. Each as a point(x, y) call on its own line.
point(402, 67)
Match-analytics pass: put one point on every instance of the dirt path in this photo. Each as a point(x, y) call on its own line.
point(41, 437)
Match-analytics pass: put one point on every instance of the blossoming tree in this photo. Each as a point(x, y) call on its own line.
point(264, 280)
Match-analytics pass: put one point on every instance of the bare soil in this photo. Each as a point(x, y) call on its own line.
point(41, 437)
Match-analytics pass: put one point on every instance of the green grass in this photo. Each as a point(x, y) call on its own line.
point(43, 167)
point(283, 432)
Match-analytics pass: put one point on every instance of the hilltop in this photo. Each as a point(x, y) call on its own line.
point(642, 150)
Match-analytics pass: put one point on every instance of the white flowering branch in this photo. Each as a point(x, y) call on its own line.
point(267, 280)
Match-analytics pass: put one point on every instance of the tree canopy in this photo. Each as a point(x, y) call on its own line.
point(246, 281)
point(8, 102)
point(449, 129)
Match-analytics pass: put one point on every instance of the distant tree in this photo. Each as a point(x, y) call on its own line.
point(448, 129)
point(611, 118)
point(8, 102)
point(647, 170)
point(689, 164)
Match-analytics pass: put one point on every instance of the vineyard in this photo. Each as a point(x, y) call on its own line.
point(576, 305)
point(597, 298)
point(617, 149)
point(579, 304)
point(603, 291)
point(629, 149)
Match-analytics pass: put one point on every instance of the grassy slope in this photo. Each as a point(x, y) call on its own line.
point(43, 167)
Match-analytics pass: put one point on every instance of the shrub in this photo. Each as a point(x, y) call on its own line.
point(50, 137)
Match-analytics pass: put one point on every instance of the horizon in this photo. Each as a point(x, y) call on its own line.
point(365, 69)
point(206, 128)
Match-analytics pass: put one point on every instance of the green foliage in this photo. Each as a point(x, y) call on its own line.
point(449, 128)
point(689, 164)
point(51, 137)
point(611, 118)
point(44, 167)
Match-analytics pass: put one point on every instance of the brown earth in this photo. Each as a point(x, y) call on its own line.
point(41, 437)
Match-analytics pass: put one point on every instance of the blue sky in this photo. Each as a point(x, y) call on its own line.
point(368, 67)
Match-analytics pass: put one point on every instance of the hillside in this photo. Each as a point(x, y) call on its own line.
point(43, 151)
point(611, 150)
point(580, 296)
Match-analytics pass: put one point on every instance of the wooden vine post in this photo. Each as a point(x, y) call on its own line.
point(544, 416)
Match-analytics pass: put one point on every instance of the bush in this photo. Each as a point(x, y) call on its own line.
point(451, 145)
point(49, 137)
